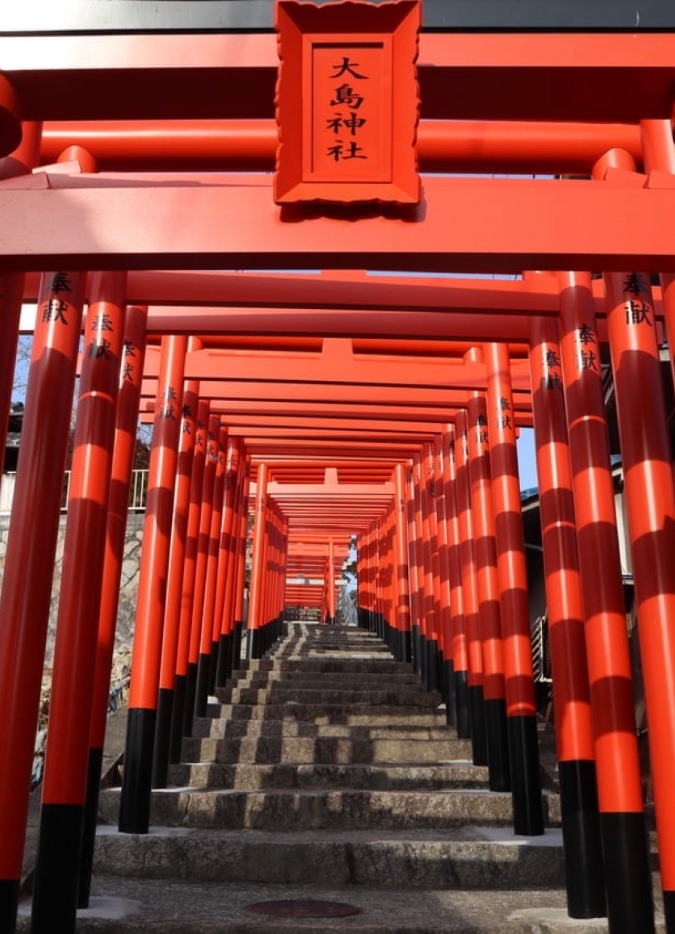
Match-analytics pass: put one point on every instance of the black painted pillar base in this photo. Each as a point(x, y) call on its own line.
point(478, 733)
point(224, 663)
point(160, 755)
point(136, 787)
point(177, 714)
point(238, 631)
point(669, 911)
point(254, 648)
point(627, 877)
point(213, 664)
point(362, 618)
point(331, 621)
point(57, 870)
point(449, 682)
point(433, 666)
point(528, 807)
point(89, 826)
point(584, 871)
point(462, 704)
point(190, 692)
point(424, 660)
point(497, 744)
point(202, 686)
point(404, 652)
point(416, 638)
point(9, 904)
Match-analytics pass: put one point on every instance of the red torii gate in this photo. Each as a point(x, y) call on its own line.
point(594, 224)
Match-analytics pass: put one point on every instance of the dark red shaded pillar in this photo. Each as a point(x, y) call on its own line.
point(128, 399)
point(416, 567)
point(432, 598)
point(64, 785)
point(403, 653)
point(485, 551)
point(470, 593)
point(239, 588)
point(649, 500)
point(445, 612)
point(255, 622)
point(521, 707)
point(211, 464)
point(210, 578)
point(188, 646)
point(584, 876)
point(172, 611)
point(627, 878)
point(650, 507)
point(233, 494)
point(29, 561)
point(460, 660)
point(145, 663)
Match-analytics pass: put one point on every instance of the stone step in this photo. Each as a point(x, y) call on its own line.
point(220, 728)
point(326, 750)
point(305, 810)
point(362, 714)
point(303, 696)
point(325, 678)
point(319, 665)
point(467, 858)
point(254, 777)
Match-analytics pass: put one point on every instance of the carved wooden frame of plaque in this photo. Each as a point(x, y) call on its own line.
point(340, 139)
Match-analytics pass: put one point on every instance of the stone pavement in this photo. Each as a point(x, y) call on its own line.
point(326, 782)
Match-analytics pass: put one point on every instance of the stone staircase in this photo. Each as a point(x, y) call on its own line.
point(326, 776)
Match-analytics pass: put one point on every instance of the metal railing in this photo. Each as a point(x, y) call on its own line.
point(138, 491)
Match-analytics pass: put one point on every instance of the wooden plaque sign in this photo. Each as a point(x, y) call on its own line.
point(347, 102)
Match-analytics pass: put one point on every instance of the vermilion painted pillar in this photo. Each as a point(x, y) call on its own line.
point(627, 877)
point(460, 660)
point(145, 663)
point(387, 578)
point(228, 617)
point(186, 658)
point(172, 612)
point(128, 399)
point(331, 583)
point(650, 507)
point(584, 877)
point(651, 513)
point(29, 561)
point(445, 612)
point(422, 597)
point(402, 581)
point(19, 162)
point(432, 575)
point(255, 623)
point(211, 465)
point(521, 706)
point(366, 579)
point(413, 577)
point(231, 503)
point(470, 593)
point(485, 550)
point(240, 577)
point(210, 578)
point(64, 785)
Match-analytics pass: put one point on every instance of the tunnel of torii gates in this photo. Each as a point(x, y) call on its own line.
point(338, 404)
